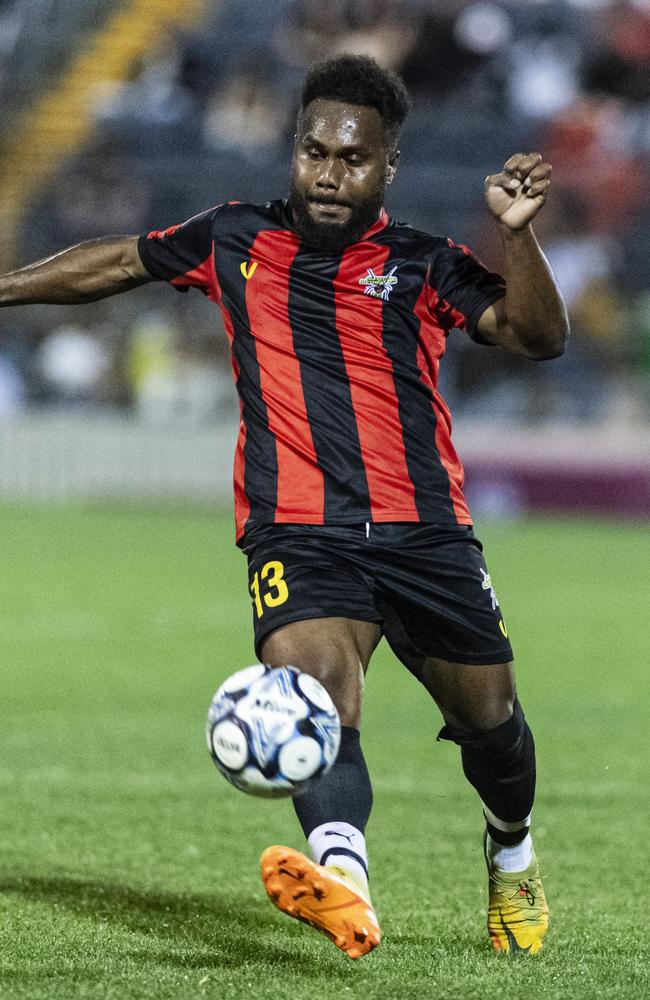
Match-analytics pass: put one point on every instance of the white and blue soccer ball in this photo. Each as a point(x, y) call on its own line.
point(271, 730)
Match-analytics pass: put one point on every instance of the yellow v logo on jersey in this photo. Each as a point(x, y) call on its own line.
point(248, 270)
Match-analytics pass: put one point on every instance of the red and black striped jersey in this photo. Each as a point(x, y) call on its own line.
point(335, 358)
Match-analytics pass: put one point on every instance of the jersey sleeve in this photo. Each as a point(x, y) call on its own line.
point(183, 254)
point(463, 288)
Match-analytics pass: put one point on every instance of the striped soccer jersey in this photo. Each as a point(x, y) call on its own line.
point(335, 358)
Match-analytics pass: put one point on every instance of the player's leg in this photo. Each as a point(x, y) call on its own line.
point(330, 893)
point(483, 716)
point(442, 617)
point(334, 811)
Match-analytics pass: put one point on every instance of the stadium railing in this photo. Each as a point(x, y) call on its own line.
point(93, 455)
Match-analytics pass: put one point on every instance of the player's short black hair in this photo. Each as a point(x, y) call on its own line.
point(355, 79)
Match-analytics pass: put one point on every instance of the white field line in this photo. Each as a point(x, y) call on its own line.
point(115, 780)
point(120, 779)
point(78, 625)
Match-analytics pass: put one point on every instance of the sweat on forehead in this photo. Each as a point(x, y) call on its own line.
point(352, 123)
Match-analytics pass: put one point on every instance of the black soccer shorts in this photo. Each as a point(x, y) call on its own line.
point(426, 586)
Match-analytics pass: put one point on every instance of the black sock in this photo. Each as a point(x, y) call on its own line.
point(500, 764)
point(507, 838)
point(343, 795)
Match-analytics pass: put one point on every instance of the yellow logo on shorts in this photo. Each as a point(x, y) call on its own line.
point(502, 627)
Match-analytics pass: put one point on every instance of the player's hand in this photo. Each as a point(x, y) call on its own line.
point(516, 195)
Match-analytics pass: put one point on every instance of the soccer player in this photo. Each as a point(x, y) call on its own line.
point(348, 492)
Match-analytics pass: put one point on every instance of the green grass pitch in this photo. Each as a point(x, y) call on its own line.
point(129, 868)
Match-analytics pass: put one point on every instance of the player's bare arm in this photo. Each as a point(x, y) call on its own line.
point(531, 319)
point(86, 272)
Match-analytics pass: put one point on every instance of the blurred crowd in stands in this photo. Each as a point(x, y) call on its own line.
point(209, 116)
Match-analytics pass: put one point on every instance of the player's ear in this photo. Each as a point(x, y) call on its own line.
point(393, 163)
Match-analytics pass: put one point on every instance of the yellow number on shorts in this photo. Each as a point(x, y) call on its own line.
point(274, 570)
point(277, 591)
point(255, 591)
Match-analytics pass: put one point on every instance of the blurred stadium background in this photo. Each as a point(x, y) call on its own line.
point(120, 117)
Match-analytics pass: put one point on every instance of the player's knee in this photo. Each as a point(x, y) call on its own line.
point(330, 654)
point(341, 677)
point(346, 696)
point(344, 682)
point(489, 714)
point(504, 731)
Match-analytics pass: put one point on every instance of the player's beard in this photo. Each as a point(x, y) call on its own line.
point(333, 237)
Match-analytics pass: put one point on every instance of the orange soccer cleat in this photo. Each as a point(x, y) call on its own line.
point(325, 898)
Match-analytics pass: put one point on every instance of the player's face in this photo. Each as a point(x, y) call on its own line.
point(340, 170)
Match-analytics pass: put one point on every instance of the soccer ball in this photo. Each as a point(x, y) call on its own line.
point(271, 730)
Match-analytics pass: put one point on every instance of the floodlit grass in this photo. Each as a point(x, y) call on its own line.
point(129, 868)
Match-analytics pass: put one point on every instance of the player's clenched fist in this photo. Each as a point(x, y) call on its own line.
point(516, 195)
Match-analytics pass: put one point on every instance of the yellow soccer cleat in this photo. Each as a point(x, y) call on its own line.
point(517, 910)
point(325, 898)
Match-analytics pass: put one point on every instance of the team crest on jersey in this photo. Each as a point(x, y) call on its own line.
point(379, 285)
